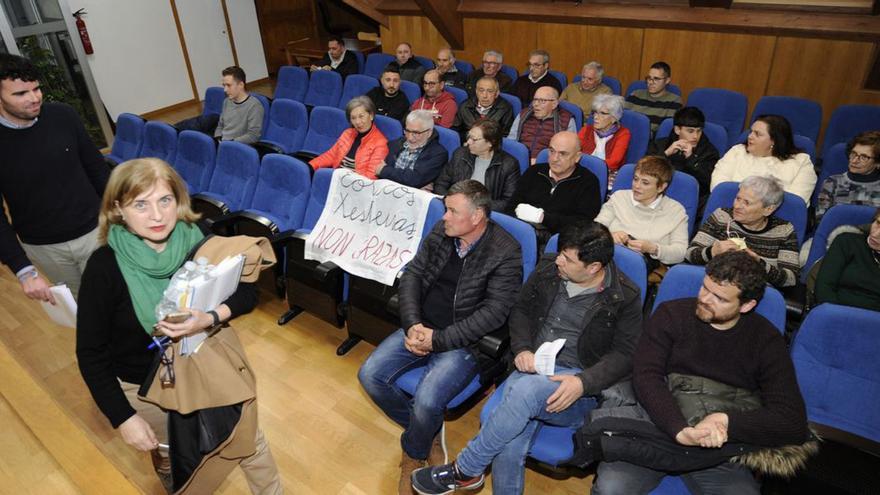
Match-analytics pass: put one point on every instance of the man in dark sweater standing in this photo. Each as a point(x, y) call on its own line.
point(580, 296)
point(716, 336)
point(458, 288)
point(52, 180)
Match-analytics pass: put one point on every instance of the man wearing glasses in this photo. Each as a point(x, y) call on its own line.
point(537, 124)
point(440, 103)
point(417, 158)
point(492, 61)
point(449, 73)
point(485, 105)
point(655, 102)
point(538, 76)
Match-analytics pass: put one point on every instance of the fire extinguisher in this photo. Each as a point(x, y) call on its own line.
point(83, 32)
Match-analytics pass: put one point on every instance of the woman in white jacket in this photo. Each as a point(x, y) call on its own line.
point(769, 151)
point(646, 220)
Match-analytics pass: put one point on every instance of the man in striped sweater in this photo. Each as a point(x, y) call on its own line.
point(655, 102)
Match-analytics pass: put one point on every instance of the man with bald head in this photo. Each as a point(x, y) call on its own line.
point(409, 68)
point(439, 102)
point(543, 119)
point(553, 194)
point(449, 73)
point(486, 104)
point(581, 93)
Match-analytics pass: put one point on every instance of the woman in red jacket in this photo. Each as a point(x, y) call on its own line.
point(606, 138)
point(363, 147)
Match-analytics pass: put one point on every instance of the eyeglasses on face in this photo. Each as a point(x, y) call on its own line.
point(543, 100)
point(486, 62)
point(536, 65)
point(650, 79)
point(597, 113)
point(415, 132)
point(430, 83)
point(858, 157)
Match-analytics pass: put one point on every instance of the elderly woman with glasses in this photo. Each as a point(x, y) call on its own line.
point(750, 226)
point(769, 151)
point(860, 185)
point(361, 147)
point(605, 138)
point(146, 230)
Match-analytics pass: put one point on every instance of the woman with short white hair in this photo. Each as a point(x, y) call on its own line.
point(606, 138)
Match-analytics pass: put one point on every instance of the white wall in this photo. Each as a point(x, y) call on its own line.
point(246, 35)
point(138, 62)
point(207, 42)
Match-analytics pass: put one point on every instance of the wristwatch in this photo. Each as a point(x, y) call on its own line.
point(216, 318)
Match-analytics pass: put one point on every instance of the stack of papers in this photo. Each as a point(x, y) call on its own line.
point(206, 293)
point(545, 357)
point(63, 312)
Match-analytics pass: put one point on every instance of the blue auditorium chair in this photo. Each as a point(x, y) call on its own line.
point(426, 62)
point(496, 343)
point(722, 106)
point(682, 188)
point(276, 210)
point(391, 128)
point(510, 71)
point(835, 359)
point(232, 183)
point(325, 126)
point(160, 141)
point(361, 60)
point(213, 103)
point(376, 63)
point(846, 122)
point(518, 151)
point(835, 162)
point(514, 102)
point(356, 85)
point(325, 89)
point(449, 139)
point(595, 165)
point(292, 83)
point(716, 134)
point(196, 154)
point(560, 76)
point(460, 95)
point(464, 67)
point(317, 288)
point(128, 139)
point(793, 208)
point(641, 84)
point(613, 83)
point(640, 135)
point(805, 116)
point(286, 128)
point(574, 110)
point(412, 91)
point(836, 216)
point(267, 108)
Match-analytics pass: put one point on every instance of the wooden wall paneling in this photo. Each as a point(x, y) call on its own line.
point(739, 62)
point(619, 50)
point(282, 21)
point(514, 39)
point(416, 30)
point(830, 72)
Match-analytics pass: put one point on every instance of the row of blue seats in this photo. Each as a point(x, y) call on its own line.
point(721, 106)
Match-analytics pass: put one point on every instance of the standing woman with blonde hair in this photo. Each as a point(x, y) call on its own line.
point(146, 231)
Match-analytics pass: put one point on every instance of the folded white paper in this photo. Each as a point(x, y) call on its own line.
point(64, 310)
point(206, 293)
point(545, 357)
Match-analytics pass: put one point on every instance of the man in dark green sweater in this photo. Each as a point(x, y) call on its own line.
point(52, 180)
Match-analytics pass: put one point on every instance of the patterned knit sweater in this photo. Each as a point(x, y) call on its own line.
point(776, 244)
point(849, 189)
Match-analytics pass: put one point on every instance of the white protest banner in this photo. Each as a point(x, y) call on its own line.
point(369, 228)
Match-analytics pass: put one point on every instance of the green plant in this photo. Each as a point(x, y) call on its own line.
point(57, 86)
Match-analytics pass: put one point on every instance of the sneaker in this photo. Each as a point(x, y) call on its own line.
point(441, 480)
point(407, 466)
point(439, 454)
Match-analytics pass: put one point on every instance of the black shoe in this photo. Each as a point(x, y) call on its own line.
point(441, 480)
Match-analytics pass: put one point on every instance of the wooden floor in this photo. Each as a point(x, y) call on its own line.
point(325, 433)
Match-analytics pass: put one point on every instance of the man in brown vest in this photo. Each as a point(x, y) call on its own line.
point(536, 125)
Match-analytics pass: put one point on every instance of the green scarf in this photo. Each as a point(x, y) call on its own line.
point(147, 272)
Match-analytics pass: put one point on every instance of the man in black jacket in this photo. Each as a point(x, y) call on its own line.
point(554, 194)
point(485, 104)
point(417, 158)
point(458, 288)
point(52, 180)
point(338, 59)
point(583, 299)
point(389, 100)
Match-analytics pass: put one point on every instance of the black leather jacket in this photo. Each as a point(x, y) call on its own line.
point(501, 176)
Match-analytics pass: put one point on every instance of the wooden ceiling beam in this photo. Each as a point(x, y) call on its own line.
point(445, 17)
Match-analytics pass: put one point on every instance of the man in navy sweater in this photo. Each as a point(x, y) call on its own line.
point(52, 181)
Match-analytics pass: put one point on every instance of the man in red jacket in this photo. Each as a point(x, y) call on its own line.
point(439, 102)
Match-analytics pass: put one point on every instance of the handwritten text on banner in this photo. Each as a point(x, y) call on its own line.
point(370, 228)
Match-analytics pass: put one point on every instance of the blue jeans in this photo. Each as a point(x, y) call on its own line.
point(623, 478)
point(505, 439)
point(421, 416)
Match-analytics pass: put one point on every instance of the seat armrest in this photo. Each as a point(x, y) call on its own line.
point(326, 270)
point(495, 344)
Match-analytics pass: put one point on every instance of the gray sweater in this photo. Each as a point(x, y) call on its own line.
point(241, 122)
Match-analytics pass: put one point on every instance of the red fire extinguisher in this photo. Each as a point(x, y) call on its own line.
point(83, 32)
